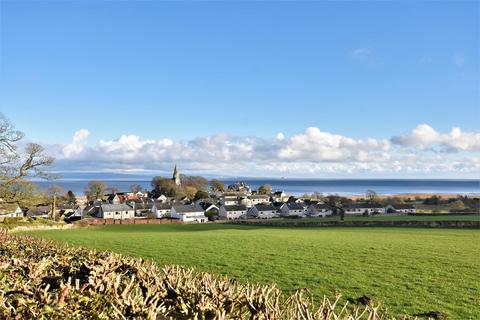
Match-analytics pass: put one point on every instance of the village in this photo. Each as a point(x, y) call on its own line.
point(234, 202)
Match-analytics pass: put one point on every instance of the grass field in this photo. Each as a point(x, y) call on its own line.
point(445, 217)
point(411, 270)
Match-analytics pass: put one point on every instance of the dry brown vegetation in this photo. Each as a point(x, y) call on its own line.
point(43, 280)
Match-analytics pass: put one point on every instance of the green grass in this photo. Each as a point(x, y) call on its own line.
point(411, 270)
point(472, 217)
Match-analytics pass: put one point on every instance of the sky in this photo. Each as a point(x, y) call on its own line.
point(268, 89)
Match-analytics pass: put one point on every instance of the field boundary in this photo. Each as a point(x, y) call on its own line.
point(306, 223)
point(100, 221)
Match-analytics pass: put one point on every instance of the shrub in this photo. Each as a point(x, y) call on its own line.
point(43, 280)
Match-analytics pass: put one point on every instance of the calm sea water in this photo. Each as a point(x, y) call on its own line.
point(299, 187)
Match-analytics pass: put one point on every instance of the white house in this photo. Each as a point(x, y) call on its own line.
point(280, 196)
point(259, 199)
point(232, 212)
point(400, 208)
point(317, 210)
point(10, 211)
point(292, 209)
point(263, 211)
point(161, 209)
point(116, 211)
point(188, 213)
point(364, 208)
point(162, 198)
point(229, 200)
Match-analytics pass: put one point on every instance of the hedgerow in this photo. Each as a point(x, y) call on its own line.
point(40, 279)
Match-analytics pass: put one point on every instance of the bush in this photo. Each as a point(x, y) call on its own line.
point(43, 280)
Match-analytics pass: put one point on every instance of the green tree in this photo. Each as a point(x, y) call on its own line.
point(95, 190)
point(190, 192)
point(70, 197)
point(265, 189)
point(199, 183)
point(201, 195)
point(162, 185)
point(217, 185)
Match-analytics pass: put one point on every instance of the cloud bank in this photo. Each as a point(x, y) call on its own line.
point(313, 153)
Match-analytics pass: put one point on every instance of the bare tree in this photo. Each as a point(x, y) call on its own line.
point(17, 164)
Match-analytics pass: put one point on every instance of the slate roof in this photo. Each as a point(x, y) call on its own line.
point(115, 207)
point(235, 208)
point(260, 196)
point(294, 206)
point(186, 208)
point(403, 206)
point(162, 206)
point(265, 207)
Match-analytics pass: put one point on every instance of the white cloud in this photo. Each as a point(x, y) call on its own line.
point(77, 145)
point(425, 137)
point(280, 136)
point(311, 153)
point(315, 145)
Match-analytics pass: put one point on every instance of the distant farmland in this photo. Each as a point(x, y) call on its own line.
point(410, 270)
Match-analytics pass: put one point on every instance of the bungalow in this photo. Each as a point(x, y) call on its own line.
point(263, 211)
point(188, 213)
point(10, 211)
point(400, 208)
point(39, 212)
point(292, 209)
point(259, 199)
point(316, 210)
point(161, 210)
point(116, 211)
point(364, 209)
point(232, 212)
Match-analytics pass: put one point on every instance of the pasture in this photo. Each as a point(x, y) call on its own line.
point(411, 270)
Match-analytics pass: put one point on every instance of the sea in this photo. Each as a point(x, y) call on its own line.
point(345, 187)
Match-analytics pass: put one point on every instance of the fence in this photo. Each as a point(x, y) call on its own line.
point(99, 221)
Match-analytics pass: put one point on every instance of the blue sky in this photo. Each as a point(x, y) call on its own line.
point(190, 70)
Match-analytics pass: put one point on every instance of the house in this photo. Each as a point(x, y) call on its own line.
point(141, 207)
point(161, 209)
point(259, 199)
point(364, 209)
point(91, 211)
point(39, 212)
point(10, 211)
point(71, 216)
point(400, 208)
point(229, 199)
point(262, 211)
point(209, 207)
point(116, 211)
point(318, 209)
point(113, 198)
point(232, 212)
point(188, 213)
point(292, 209)
point(279, 196)
point(162, 198)
point(65, 209)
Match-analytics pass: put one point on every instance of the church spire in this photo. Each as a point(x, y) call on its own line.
point(176, 175)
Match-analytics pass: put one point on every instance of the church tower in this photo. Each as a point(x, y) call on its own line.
point(176, 175)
